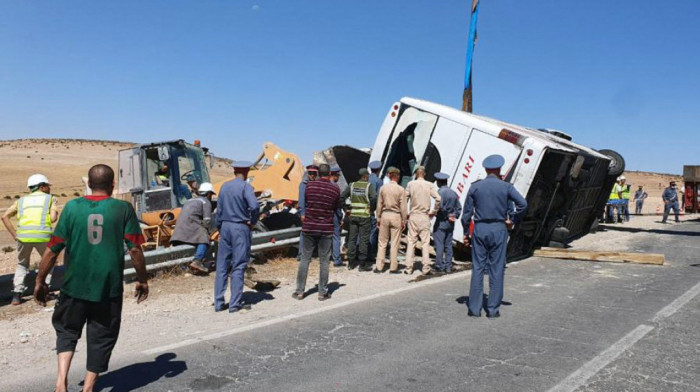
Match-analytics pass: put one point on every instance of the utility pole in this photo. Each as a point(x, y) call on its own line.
point(467, 95)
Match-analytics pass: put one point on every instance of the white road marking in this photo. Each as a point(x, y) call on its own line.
point(673, 307)
point(588, 370)
point(294, 316)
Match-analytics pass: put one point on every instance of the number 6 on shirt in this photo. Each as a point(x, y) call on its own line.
point(94, 232)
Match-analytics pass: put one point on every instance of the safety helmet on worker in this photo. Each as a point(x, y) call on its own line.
point(36, 180)
point(205, 188)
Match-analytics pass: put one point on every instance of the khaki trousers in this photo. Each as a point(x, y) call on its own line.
point(24, 253)
point(389, 230)
point(418, 228)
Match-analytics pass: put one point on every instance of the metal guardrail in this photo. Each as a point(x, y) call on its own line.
point(168, 257)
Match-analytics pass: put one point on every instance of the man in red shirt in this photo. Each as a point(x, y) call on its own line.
point(322, 198)
point(94, 230)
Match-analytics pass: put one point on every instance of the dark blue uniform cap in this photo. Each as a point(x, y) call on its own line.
point(335, 169)
point(312, 168)
point(362, 171)
point(242, 165)
point(494, 162)
point(441, 176)
point(374, 165)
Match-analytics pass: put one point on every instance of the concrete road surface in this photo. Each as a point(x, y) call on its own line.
point(568, 325)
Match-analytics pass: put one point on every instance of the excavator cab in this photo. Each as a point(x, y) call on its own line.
point(162, 176)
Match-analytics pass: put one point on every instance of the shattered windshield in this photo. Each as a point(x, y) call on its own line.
point(410, 141)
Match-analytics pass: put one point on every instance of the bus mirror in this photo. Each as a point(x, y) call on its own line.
point(212, 158)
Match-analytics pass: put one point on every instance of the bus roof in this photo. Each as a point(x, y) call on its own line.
point(494, 126)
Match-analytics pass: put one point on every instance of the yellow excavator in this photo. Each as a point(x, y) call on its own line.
point(158, 178)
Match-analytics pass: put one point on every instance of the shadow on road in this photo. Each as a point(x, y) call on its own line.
point(254, 297)
point(138, 375)
point(656, 231)
point(463, 300)
point(332, 287)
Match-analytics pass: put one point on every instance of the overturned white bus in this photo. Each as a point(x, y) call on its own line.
point(566, 184)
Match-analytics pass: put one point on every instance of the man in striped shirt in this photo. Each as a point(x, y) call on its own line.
point(322, 199)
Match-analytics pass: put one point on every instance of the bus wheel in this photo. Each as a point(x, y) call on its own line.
point(617, 162)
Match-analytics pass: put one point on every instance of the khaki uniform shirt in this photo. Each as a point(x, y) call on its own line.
point(419, 191)
point(392, 198)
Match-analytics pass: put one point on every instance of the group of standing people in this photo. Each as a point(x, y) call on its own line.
point(491, 204)
point(96, 228)
point(617, 207)
point(619, 200)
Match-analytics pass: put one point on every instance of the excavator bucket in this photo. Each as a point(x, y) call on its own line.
point(275, 175)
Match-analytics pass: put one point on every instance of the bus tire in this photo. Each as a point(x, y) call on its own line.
point(617, 162)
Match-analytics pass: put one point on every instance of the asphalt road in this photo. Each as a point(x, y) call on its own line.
point(571, 325)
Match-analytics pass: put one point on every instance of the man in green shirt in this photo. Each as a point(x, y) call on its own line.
point(93, 230)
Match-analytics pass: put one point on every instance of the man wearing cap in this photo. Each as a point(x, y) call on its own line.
point(363, 202)
point(670, 198)
point(311, 175)
point(639, 196)
point(35, 214)
point(419, 192)
point(322, 203)
point(391, 220)
point(237, 212)
point(488, 202)
point(375, 167)
point(193, 225)
point(337, 221)
point(447, 215)
point(624, 199)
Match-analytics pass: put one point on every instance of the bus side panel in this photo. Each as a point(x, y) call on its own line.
point(450, 138)
point(470, 169)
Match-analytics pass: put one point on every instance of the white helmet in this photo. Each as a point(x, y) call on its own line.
point(622, 178)
point(205, 188)
point(37, 179)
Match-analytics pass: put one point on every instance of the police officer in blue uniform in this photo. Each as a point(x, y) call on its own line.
point(236, 212)
point(375, 167)
point(337, 222)
point(488, 202)
point(670, 198)
point(311, 175)
point(445, 219)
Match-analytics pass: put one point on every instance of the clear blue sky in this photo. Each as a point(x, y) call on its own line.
point(310, 74)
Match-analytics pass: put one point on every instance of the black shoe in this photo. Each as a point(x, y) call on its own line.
point(338, 265)
point(376, 271)
point(323, 297)
point(351, 266)
point(243, 307)
point(493, 316)
point(395, 272)
point(365, 268)
point(470, 314)
point(222, 308)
